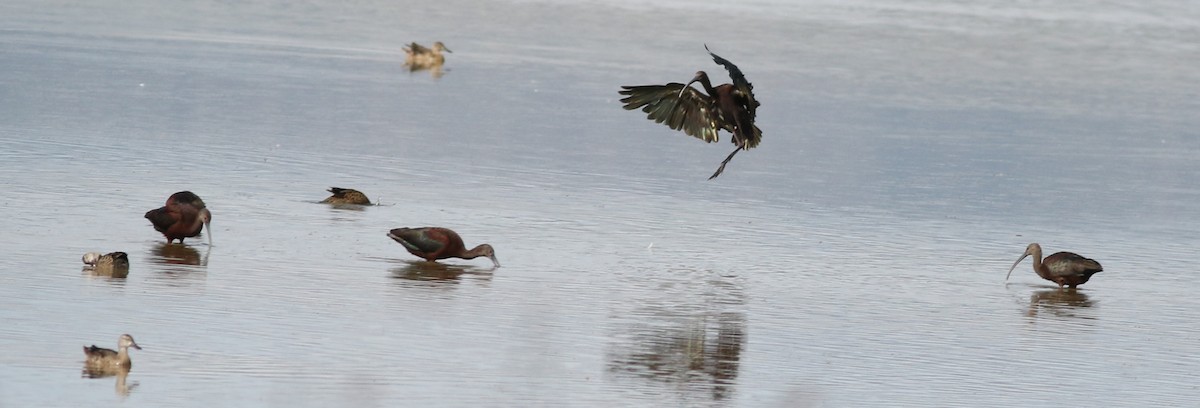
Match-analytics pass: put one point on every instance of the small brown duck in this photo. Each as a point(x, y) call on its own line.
point(115, 264)
point(346, 196)
point(104, 358)
point(433, 243)
point(183, 216)
point(418, 55)
point(1064, 268)
point(109, 260)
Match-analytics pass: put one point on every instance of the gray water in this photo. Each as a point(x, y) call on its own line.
point(856, 258)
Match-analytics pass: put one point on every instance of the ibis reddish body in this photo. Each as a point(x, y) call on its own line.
point(183, 216)
point(1063, 268)
point(433, 243)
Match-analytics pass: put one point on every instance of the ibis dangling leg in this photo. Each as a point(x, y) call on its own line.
point(727, 159)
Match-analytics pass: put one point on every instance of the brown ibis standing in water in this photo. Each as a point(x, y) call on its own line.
point(1063, 268)
point(346, 196)
point(728, 106)
point(433, 243)
point(183, 216)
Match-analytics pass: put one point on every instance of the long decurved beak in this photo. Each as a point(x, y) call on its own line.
point(495, 263)
point(688, 85)
point(1018, 262)
point(208, 225)
point(684, 89)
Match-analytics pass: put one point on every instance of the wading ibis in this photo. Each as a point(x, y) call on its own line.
point(183, 216)
point(728, 106)
point(433, 243)
point(1063, 268)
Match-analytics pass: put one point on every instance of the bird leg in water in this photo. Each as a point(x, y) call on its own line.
point(727, 159)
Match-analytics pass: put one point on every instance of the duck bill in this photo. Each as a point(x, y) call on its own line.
point(1018, 262)
point(135, 345)
point(447, 49)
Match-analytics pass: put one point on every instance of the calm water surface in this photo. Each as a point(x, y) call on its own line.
point(911, 151)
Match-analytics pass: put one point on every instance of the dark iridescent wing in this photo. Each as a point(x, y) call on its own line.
point(187, 198)
point(419, 239)
point(739, 81)
point(757, 137)
point(691, 112)
point(162, 218)
point(1070, 264)
point(98, 352)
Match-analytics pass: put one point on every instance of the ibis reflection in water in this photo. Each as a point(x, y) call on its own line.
point(1063, 268)
point(433, 243)
point(183, 216)
point(730, 107)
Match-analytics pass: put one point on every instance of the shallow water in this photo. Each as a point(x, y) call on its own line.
point(856, 258)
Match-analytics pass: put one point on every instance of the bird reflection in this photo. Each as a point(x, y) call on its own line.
point(695, 338)
point(179, 262)
point(437, 272)
point(699, 352)
point(123, 387)
point(178, 254)
point(1061, 303)
point(435, 70)
point(347, 207)
point(429, 271)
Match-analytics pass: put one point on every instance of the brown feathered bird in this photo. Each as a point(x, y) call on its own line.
point(183, 216)
point(433, 243)
point(1064, 268)
point(731, 107)
point(346, 196)
point(99, 357)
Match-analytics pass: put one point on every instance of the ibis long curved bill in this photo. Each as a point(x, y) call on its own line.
point(1018, 262)
point(208, 225)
